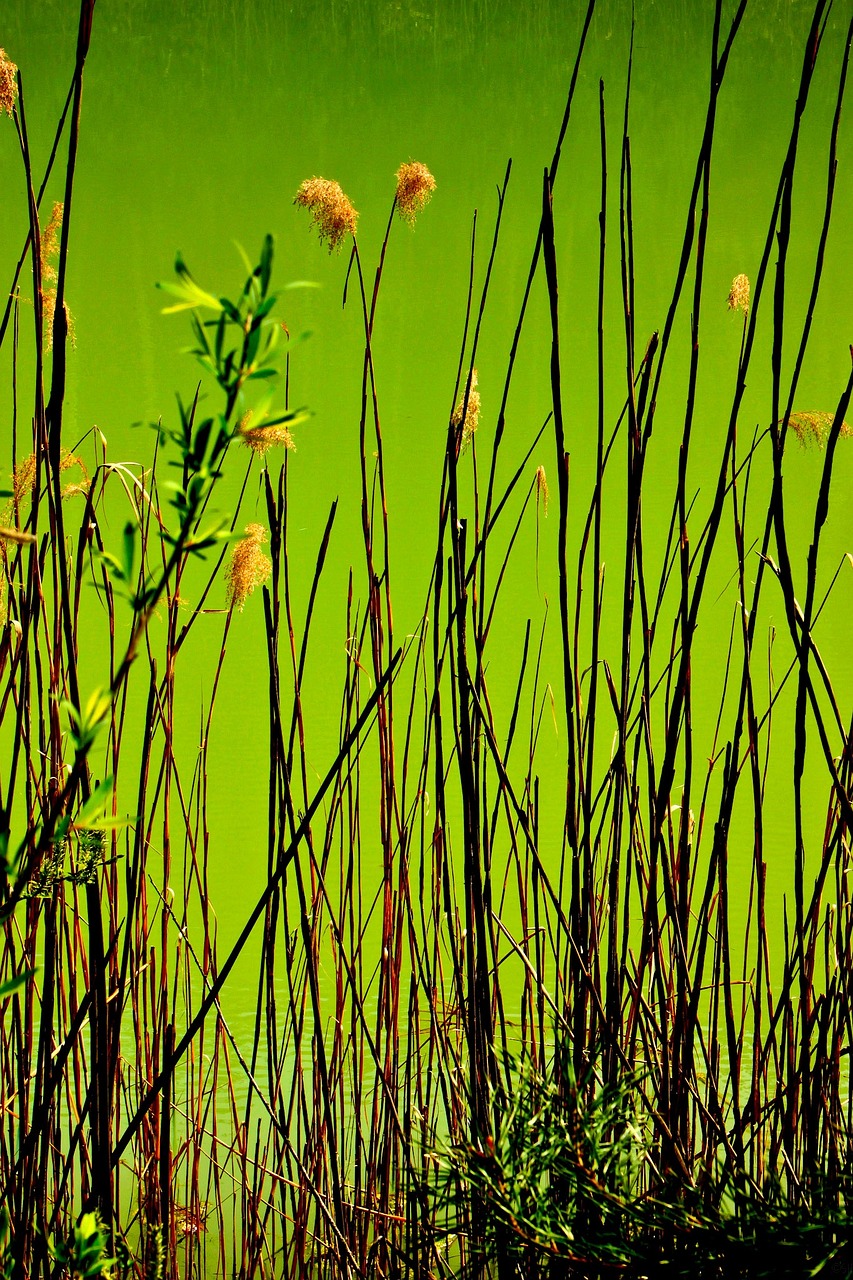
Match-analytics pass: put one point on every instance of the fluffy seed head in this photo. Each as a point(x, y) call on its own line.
point(24, 479)
point(542, 494)
point(19, 536)
point(48, 302)
point(248, 567)
point(738, 299)
point(812, 429)
point(468, 419)
point(415, 185)
point(50, 241)
point(331, 211)
point(8, 83)
point(260, 438)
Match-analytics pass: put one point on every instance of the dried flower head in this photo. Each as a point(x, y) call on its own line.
point(542, 494)
point(8, 83)
point(331, 211)
point(738, 299)
point(248, 567)
point(24, 479)
point(812, 429)
point(468, 418)
point(415, 185)
point(49, 249)
point(48, 304)
point(82, 484)
point(260, 438)
point(50, 241)
point(18, 536)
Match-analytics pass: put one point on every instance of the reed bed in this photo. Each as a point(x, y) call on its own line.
point(499, 1026)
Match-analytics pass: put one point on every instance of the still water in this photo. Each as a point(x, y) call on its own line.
point(199, 123)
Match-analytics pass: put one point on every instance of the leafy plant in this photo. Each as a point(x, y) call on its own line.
point(558, 1181)
point(557, 1174)
point(83, 1255)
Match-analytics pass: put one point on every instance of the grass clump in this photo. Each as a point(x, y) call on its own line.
point(695, 1117)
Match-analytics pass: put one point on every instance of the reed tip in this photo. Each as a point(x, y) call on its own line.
point(332, 211)
point(812, 428)
point(738, 299)
point(542, 493)
point(467, 417)
point(415, 185)
point(249, 566)
point(261, 439)
point(8, 83)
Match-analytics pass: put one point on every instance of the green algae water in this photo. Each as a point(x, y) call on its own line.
point(199, 123)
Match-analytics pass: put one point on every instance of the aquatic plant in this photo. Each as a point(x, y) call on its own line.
point(248, 567)
point(738, 299)
point(466, 416)
point(813, 428)
point(8, 83)
point(332, 212)
point(533, 1033)
point(415, 185)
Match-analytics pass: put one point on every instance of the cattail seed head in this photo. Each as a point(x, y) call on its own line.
point(248, 567)
point(468, 418)
point(738, 299)
point(332, 212)
point(415, 185)
point(8, 83)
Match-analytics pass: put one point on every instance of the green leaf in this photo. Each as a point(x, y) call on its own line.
point(266, 264)
point(293, 417)
point(128, 550)
point(84, 725)
point(14, 984)
point(191, 294)
point(61, 829)
point(94, 808)
point(244, 256)
point(265, 308)
point(252, 345)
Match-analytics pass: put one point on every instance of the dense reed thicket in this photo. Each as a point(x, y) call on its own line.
point(544, 1039)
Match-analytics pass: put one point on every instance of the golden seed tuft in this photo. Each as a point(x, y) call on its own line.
point(248, 567)
point(471, 414)
point(812, 429)
point(48, 302)
point(19, 536)
point(49, 249)
point(738, 299)
point(50, 241)
point(8, 83)
point(332, 212)
point(542, 494)
point(415, 185)
point(260, 439)
point(24, 479)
